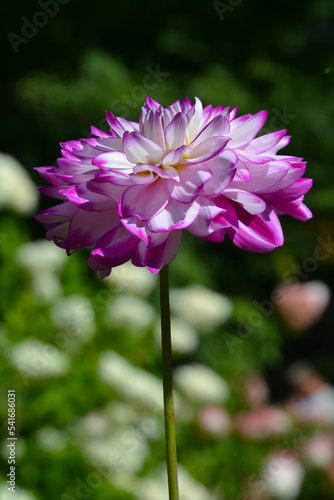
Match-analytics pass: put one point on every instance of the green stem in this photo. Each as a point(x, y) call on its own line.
point(168, 385)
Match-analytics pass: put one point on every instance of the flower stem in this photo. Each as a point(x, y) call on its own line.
point(168, 385)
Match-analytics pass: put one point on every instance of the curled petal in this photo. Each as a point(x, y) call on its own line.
point(257, 233)
point(86, 228)
point(223, 170)
point(250, 202)
point(141, 149)
point(174, 216)
point(113, 160)
point(144, 201)
point(192, 180)
point(155, 258)
point(176, 130)
point(243, 132)
point(217, 127)
point(207, 149)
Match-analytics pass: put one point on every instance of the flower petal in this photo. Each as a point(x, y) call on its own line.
point(217, 127)
point(144, 201)
point(155, 258)
point(223, 170)
point(250, 202)
point(207, 149)
point(174, 216)
point(265, 142)
point(87, 227)
point(113, 160)
point(243, 133)
point(257, 233)
point(176, 131)
point(141, 149)
point(192, 180)
point(194, 115)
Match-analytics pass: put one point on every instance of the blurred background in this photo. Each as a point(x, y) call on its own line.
point(253, 334)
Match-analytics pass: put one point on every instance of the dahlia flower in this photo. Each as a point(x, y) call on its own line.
point(131, 192)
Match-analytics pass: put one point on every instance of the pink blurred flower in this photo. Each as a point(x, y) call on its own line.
point(257, 390)
point(129, 193)
point(319, 450)
point(214, 421)
point(263, 422)
point(302, 304)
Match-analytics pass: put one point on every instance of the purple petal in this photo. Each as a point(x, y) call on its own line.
point(249, 201)
point(115, 247)
point(203, 225)
point(192, 180)
point(194, 115)
point(174, 216)
point(298, 189)
point(295, 209)
point(217, 127)
point(140, 149)
point(176, 131)
point(144, 201)
point(265, 142)
point(207, 149)
point(294, 173)
point(263, 177)
point(88, 200)
point(113, 160)
point(87, 227)
point(164, 173)
point(155, 258)
point(257, 233)
point(242, 134)
point(223, 170)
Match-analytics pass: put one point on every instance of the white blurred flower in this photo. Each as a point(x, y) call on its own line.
point(200, 307)
point(125, 450)
point(51, 439)
point(74, 316)
point(184, 338)
point(131, 279)
point(122, 413)
point(41, 255)
point(130, 312)
point(154, 486)
point(199, 384)
point(283, 475)
point(93, 424)
point(35, 359)
point(43, 261)
point(20, 493)
point(46, 286)
point(131, 382)
point(17, 191)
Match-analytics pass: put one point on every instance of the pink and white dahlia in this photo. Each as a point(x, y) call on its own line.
point(131, 192)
